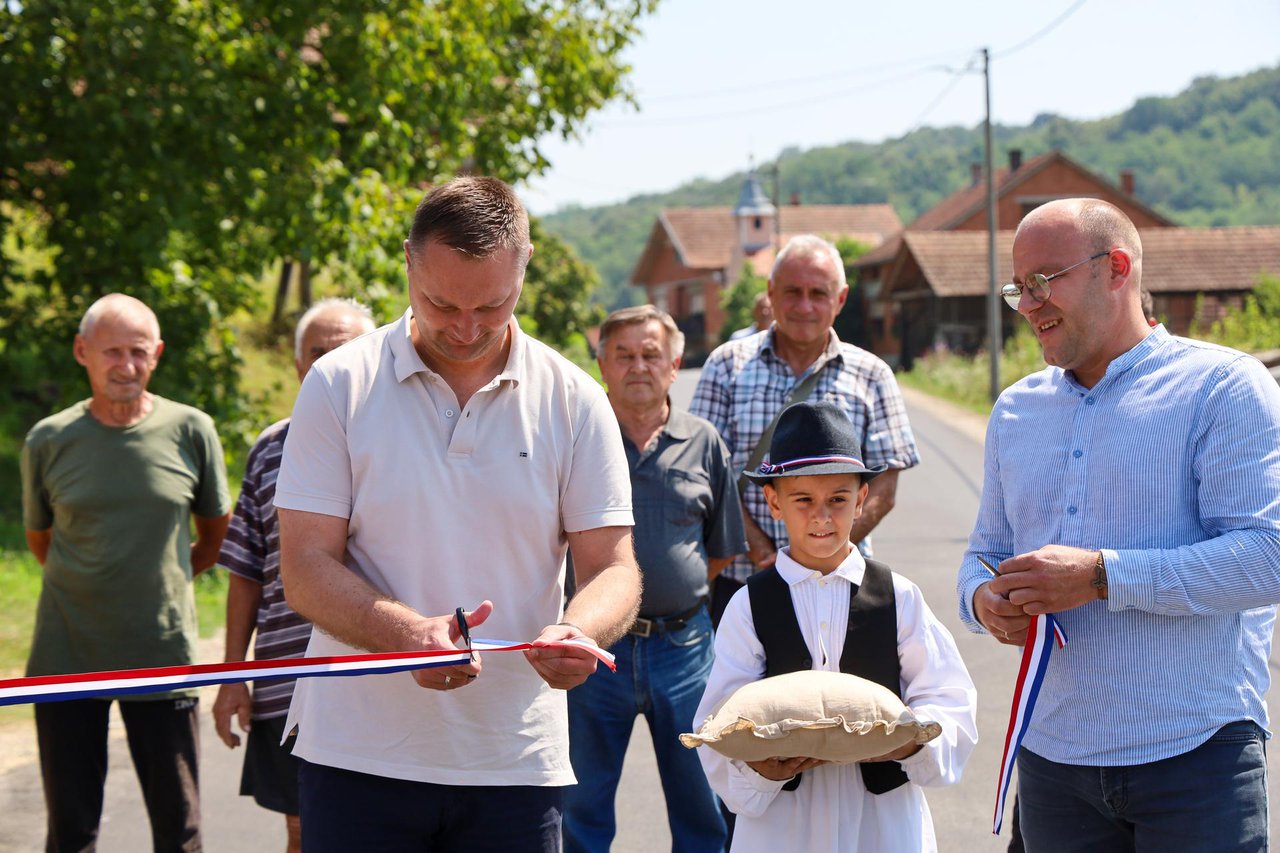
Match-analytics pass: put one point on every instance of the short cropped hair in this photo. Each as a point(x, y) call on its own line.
point(349, 306)
point(116, 303)
point(810, 246)
point(643, 314)
point(473, 215)
point(1106, 226)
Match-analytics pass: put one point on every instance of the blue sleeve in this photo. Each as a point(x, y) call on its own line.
point(1236, 442)
point(992, 536)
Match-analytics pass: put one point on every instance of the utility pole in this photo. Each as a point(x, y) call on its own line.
point(994, 344)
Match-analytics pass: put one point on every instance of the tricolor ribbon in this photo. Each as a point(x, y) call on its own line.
point(1042, 634)
point(58, 688)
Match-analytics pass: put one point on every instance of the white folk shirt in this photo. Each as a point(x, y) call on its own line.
point(448, 505)
point(832, 809)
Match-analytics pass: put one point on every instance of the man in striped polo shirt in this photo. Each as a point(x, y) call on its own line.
point(251, 552)
point(1132, 489)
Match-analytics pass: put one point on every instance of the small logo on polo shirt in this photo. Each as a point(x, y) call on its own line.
point(524, 454)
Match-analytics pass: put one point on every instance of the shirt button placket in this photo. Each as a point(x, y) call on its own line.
point(1075, 482)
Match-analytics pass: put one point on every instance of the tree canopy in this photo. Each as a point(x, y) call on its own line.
point(173, 150)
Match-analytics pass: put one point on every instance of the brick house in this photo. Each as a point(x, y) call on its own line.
point(898, 329)
point(694, 252)
point(938, 281)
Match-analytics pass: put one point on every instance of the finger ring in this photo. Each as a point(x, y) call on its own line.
point(1006, 636)
point(447, 679)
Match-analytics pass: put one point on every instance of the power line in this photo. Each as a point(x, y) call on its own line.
point(1050, 27)
point(1027, 42)
point(946, 90)
point(758, 110)
point(796, 81)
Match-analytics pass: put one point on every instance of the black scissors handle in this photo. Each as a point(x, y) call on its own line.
point(464, 630)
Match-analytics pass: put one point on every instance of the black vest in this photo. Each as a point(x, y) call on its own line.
point(870, 645)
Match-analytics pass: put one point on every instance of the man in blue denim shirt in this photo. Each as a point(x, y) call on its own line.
point(1133, 489)
point(688, 528)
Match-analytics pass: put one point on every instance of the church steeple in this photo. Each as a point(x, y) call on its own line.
point(755, 214)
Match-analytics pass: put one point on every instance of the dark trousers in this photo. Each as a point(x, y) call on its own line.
point(163, 738)
point(1213, 798)
point(343, 811)
point(661, 676)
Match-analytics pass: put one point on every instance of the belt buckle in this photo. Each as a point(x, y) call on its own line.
point(642, 627)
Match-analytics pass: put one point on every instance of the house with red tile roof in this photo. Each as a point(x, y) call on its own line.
point(693, 253)
point(905, 317)
point(938, 279)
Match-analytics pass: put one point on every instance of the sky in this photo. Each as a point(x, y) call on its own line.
point(717, 84)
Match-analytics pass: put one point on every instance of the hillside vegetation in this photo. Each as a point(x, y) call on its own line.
point(1207, 156)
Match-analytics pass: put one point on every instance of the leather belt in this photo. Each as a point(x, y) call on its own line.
point(662, 624)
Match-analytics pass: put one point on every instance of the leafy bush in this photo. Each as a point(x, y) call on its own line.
point(1255, 327)
point(738, 300)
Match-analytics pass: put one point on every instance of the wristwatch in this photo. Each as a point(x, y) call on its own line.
point(1100, 577)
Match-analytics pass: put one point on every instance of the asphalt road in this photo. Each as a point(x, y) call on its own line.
point(922, 538)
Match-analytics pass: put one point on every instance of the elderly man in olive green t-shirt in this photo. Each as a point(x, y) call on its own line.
point(110, 487)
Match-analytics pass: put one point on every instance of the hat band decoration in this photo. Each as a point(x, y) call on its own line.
point(767, 468)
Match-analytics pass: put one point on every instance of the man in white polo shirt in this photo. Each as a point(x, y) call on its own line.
point(448, 460)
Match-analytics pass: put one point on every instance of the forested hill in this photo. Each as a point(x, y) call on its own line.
point(1207, 156)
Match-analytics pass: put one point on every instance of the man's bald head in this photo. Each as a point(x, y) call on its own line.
point(327, 325)
point(1103, 226)
point(119, 306)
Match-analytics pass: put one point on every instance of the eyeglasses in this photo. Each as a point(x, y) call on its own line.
point(1038, 283)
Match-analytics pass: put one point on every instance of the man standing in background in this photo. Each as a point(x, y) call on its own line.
point(688, 528)
point(761, 315)
point(110, 487)
point(255, 598)
point(746, 384)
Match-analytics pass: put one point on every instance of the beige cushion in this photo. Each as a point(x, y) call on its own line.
point(828, 715)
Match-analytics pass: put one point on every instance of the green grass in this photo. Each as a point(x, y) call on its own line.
point(966, 380)
point(19, 588)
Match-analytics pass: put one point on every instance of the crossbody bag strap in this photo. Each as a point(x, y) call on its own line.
point(798, 395)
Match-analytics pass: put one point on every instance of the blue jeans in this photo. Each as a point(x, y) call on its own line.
point(661, 676)
point(1213, 798)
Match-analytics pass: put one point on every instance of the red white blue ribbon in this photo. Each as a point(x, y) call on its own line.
point(58, 688)
point(1042, 634)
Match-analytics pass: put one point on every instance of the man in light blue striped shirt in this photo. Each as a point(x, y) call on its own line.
point(1133, 489)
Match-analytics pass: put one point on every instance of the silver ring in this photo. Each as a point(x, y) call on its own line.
point(447, 679)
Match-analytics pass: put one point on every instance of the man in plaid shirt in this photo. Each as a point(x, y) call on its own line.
point(746, 383)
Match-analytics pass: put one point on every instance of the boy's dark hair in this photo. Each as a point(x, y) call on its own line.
point(475, 216)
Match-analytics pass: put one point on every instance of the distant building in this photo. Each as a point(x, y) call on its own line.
point(904, 317)
point(694, 252)
point(938, 281)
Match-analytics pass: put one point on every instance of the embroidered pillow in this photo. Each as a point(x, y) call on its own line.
point(829, 715)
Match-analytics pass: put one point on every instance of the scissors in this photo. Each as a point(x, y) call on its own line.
point(465, 631)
